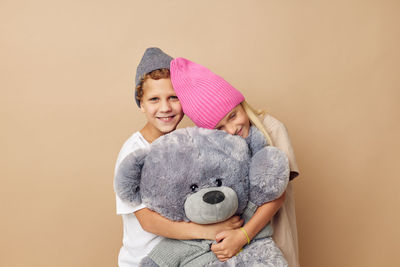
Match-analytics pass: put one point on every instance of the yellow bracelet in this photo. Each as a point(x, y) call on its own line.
point(245, 233)
point(239, 251)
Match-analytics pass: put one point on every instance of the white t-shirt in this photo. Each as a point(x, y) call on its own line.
point(136, 242)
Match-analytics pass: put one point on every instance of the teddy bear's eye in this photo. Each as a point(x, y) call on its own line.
point(193, 187)
point(219, 182)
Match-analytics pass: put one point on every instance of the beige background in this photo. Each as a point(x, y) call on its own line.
point(327, 69)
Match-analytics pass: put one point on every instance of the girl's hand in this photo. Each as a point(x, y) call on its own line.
point(230, 224)
point(232, 242)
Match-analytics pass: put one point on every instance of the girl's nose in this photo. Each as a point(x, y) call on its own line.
point(230, 129)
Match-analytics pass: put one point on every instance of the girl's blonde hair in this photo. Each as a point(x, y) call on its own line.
point(254, 117)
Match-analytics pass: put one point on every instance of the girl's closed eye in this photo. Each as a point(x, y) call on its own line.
point(233, 115)
point(174, 97)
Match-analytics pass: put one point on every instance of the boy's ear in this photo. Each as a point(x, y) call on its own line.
point(127, 178)
point(142, 109)
point(268, 175)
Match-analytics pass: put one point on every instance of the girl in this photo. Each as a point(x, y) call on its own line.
point(211, 102)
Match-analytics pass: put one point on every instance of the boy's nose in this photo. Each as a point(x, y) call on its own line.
point(165, 106)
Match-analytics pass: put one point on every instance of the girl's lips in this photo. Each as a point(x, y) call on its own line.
point(240, 132)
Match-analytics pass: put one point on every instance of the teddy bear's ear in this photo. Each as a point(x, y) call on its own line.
point(256, 140)
point(268, 175)
point(127, 178)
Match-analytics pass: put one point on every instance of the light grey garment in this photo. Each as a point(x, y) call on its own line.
point(197, 253)
point(172, 252)
point(263, 252)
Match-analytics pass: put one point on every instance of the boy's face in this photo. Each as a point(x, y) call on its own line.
point(161, 106)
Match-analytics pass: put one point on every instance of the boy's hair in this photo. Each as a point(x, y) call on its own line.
point(155, 75)
point(153, 59)
point(254, 117)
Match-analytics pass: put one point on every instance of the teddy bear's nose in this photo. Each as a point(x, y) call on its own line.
point(213, 197)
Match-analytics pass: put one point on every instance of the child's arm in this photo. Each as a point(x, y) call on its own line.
point(155, 223)
point(233, 240)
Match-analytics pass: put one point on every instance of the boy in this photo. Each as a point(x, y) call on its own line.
point(157, 100)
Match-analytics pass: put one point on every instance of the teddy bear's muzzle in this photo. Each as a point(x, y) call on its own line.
point(211, 205)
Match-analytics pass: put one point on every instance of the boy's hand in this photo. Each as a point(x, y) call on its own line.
point(232, 242)
point(230, 224)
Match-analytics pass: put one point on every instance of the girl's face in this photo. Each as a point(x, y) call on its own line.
point(235, 122)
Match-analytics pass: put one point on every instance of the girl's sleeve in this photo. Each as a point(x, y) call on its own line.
point(280, 138)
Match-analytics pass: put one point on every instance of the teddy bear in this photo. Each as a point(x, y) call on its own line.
point(206, 176)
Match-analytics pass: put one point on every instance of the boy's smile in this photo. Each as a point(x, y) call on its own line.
point(161, 108)
point(166, 119)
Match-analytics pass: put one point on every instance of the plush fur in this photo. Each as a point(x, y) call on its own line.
point(204, 176)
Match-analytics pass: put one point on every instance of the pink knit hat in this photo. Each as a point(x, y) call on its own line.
point(205, 97)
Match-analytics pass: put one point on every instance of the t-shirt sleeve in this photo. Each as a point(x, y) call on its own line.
point(126, 208)
point(280, 138)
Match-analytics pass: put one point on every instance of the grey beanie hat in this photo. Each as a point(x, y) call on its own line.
point(153, 59)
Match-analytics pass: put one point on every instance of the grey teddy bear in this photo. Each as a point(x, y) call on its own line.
point(206, 176)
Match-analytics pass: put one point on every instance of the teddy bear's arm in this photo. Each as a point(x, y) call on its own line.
point(127, 178)
point(269, 175)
